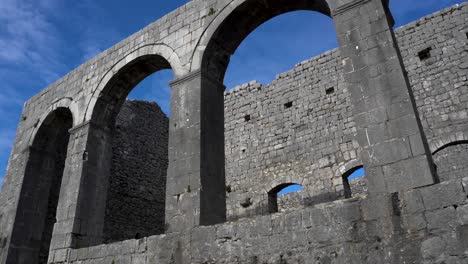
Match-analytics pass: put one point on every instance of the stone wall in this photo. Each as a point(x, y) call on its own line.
point(308, 138)
point(300, 127)
point(452, 161)
point(137, 183)
point(426, 225)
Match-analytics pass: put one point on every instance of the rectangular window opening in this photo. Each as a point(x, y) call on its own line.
point(425, 54)
point(288, 105)
point(330, 90)
point(247, 118)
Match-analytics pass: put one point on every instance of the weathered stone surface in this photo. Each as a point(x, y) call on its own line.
point(136, 198)
point(312, 125)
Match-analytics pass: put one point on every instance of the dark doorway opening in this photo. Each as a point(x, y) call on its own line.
point(40, 192)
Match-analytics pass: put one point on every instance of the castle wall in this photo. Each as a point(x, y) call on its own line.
point(452, 162)
point(268, 143)
point(137, 182)
point(425, 225)
point(308, 138)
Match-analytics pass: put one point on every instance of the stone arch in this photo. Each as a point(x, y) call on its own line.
point(348, 166)
point(439, 143)
point(273, 196)
point(240, 18)
point(210, 58)
point(99, 120)
point(66, 102)
point(164, 56)
point(40, 190)
point(344, 171)
point(275, 182)
point(348, 190)
point(451, 160)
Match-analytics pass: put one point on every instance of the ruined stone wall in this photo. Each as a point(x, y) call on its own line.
point(298, 129)
point(425, 225)
point(452, 162)
point(269, 143)
point(440, 81)
point(137, 183)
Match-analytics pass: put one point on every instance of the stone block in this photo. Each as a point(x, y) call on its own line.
point(411, 202)
point(432, 248)
point(442, 195)
point(441, 220)
point(376, 207)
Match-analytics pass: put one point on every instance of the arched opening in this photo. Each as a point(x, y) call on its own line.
point(354, 182)
point(279, 45)
point(245, 150)
point(286, 191)
point(241, 22)
point(132, 151)
point(40, 191)
point(451, 160)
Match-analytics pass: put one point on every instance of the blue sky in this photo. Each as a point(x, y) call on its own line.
point(42, 40)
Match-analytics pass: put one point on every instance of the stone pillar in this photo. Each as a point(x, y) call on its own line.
point(81, 208)
point(10, 195)
point(195, 193)
point(395, 150)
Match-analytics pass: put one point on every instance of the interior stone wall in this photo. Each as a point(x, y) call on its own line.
point(269, 143)
point(137, 183)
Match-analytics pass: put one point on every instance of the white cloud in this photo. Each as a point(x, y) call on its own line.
point(28, 39)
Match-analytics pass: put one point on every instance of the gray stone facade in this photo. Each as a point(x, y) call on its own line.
point(384, 100)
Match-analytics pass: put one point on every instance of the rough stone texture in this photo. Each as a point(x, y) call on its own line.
point(358, 230)
point(290, 202)
point(41, 189)
point(312, 140)
point(358, 186)
point(137, 185)
point(452, 162)
point(371, 116)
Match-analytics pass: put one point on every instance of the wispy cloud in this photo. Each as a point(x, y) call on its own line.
point(28, 39)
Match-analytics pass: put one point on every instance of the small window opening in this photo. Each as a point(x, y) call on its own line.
point(288, 105)
point(282, 189)
point(246, 203)
point(349, 177)
point(466, 34)
point(330, 90)
point(425, 54)
point(247, 118)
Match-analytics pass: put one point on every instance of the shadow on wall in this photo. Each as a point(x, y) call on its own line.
point(354, 182)
point(451, 160)
point(37, 206)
